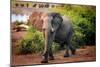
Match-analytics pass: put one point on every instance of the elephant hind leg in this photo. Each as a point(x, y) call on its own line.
point(73, 50)
point(69, 42)
point(69, 45)
point(69, 50)
point(67, 54)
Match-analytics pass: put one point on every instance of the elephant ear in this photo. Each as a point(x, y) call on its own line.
point(56, 21)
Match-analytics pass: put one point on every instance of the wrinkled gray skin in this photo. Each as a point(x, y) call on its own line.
point(56, 29)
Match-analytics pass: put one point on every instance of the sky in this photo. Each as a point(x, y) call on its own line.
point(19, 18)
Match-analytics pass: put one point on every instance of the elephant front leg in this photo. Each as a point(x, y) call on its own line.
point(49, 37)
point(45, 58)
point(47, 54)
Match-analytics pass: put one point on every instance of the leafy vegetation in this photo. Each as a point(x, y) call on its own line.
point(32, 42)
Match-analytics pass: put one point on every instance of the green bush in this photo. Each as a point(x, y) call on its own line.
point(32, 42)
point(25, 46)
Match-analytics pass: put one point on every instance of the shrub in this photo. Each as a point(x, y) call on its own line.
point(25, 46)
point(32, 42)
point(78, 39)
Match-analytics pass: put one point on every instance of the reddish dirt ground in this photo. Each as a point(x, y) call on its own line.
point(88, 53)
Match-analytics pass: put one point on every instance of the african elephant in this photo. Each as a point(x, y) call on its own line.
point(56, 28)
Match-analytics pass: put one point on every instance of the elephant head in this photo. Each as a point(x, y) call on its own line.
point(51, 22)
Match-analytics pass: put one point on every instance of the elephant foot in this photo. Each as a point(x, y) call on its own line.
point(73, 52)
point(44, 61)
point(66, 55)
point(51, 58)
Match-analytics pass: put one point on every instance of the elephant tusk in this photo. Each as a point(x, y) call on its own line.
point(52, 29)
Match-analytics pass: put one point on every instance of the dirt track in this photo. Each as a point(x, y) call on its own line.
point(83, 54)
point(87, 54)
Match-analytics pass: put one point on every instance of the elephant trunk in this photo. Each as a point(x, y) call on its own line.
point(47, 29)
point(46, 40)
